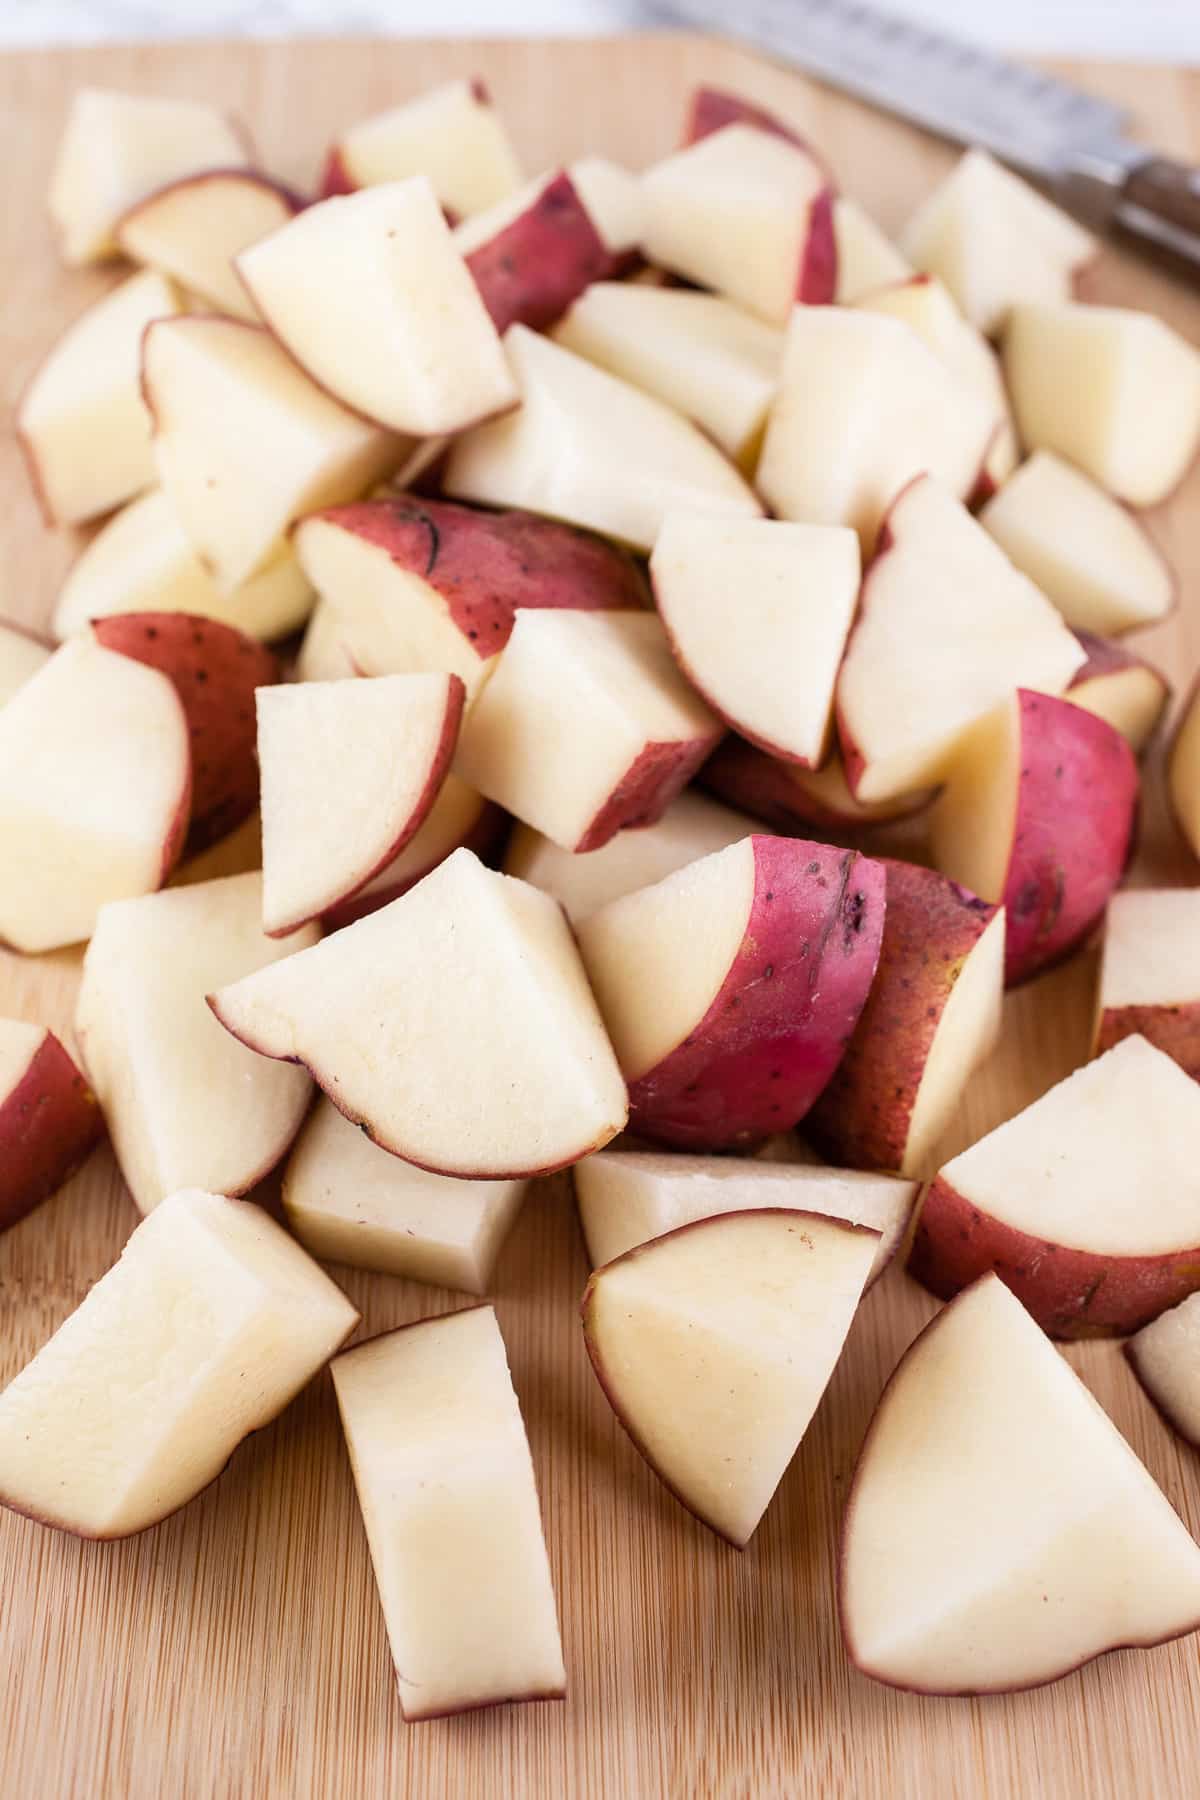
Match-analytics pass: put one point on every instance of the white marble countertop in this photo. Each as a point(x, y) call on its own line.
point(1147, 30)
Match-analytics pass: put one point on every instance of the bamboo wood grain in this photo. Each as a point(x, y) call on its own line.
point(238, 1650)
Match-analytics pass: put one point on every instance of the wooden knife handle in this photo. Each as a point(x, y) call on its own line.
point(1160, 200)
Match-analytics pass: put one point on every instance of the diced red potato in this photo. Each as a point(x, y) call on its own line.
point(245, 443)
point(215, 671)
point(453, 134)
point(1087, 1204)
point(793, 590)
point(49, 1119)
point(1122, 688)
point(350, 771)
point(1150, 973)
point(914, 680)
point(731, 988)
point(1088, 553)
point(712, 109)
point(1024, 1539)
point(748, 214)
point(426, 584)
point(1140, 428)
point(1165, 1357)
point(586, 726)
point(22, 654)
point(192, 229)
point(490, 1059)
point(932, 1017)
point(82, 422)
point(995, 241)
point(790, 798)
point(95, 792)
point(380, 267)
point(1039, 812)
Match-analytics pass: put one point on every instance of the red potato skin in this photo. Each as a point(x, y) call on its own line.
point(1077, 804)
point(49, 1123)
point(930, 928)
point(746, 777)
point(289, 197)
point(765, 1049)
point(486, 565)
point(816, 282)
point(1174, 1029)
point(487, 838)
point(530, 272)
point(844, 1619)
point(335, 177)
point(452, 720)
point(215, 670)
point(657, 775)
point(1071, 1293)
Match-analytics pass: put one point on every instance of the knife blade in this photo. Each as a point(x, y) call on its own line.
point(1072, 141)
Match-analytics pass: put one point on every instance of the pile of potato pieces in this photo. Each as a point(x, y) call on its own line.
point(647, 531)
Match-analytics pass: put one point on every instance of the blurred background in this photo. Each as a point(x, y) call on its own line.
point(1153, 30)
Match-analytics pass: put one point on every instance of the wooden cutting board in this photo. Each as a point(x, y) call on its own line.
point(238, 1650)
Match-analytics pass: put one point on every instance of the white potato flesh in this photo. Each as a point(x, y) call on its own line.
point(657, 958)
point(349, 772)
point(866, 256)
point(350, 1202)
point(1131, 700)
point(995, 241)
point(863, 407)
point(164, 1071)
point(455, 1023)
point(210, 1322)
point(732, 212)
point(452, 819)
point(82, 421)
point(19, 1044)
point(1115, 391)
point(1089, 555)
point(589, 448)
point(758, 612)
point(691, 827)
point(193, 229)
point(627, 1197)
point(700, 354)
point(973, 823)
point(449, 1500)
point(116, 149)
point(21, 656)
point(245, 443)
point(575, 699)
point(715, 1344)
point(142, 560)
point(370, 295)
point(922, 667)
point(95, 772)
point(452, 134)
point(1165, 1356)
point(1151, 948)
point(1105, 1162)
point(1000, 1531)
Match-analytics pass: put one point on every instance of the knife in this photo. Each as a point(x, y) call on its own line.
point(1072, 142)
